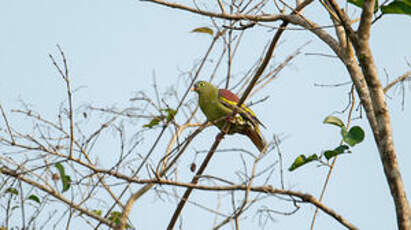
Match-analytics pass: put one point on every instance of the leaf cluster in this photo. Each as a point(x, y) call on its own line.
point(167, 117)
point(394, 7)
point(351, 138)
point(14, 191)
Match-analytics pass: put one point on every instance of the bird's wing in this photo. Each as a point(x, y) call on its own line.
point(230, 100)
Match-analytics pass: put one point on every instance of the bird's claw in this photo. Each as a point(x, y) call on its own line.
point(229, 118)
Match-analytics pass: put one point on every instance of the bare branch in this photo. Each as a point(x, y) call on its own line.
point(397, 80)
point(262, 189)
point(55, 194)
point(65, 76)
point(7, 125)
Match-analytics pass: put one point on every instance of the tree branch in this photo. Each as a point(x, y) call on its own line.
point(383, 131)
point(261, 189)
point(399, 79)
point(56, 195)
point(252, 83)
point(223, 15)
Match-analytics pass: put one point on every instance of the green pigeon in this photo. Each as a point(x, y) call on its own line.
point(218, 105)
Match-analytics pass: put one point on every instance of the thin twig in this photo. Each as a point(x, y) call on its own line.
point(399, 79)
point(194, 181)
point(65, 76)
point(57, 195)
point(349, 118)
point(7, 125)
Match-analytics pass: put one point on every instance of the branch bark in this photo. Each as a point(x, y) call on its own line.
point(305, 197)
point(399, 79)
point(383, 131)
point(56, 195)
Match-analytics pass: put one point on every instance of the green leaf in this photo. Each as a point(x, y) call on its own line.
point(302, 160)
point(360, 3)
point(170, 113)
point(354, 136)
point(66, 183)
point(115, 217)
point(65, 179)
point(155, 121)
point(12, 191)
point(34, 198)
point(332, 120)
point(205, 30)
point(397, 7)
point(60, 168)
point(97, 212)
point(337, 151)
point(341, 148)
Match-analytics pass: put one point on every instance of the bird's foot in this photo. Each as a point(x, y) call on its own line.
point(229, 118)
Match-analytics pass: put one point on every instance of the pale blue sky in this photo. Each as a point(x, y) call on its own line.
point(114, 46)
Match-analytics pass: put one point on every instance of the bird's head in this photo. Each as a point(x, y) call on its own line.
point(201, 87)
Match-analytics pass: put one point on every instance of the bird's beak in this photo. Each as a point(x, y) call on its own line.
point(194, 89)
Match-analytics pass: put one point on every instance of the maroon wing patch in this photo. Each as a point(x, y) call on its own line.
point(227, 94)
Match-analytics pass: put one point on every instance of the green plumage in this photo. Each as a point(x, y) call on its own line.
point(218, 105)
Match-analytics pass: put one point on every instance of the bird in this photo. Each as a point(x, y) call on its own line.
point(218, 106)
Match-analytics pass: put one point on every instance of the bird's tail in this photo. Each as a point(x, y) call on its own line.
point(257, 138)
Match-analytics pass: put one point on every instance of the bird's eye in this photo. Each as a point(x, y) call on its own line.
point(201, 84)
